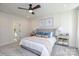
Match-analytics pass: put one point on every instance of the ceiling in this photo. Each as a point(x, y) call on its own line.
point(46, 8)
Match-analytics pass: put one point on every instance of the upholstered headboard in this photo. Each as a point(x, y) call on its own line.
point(46, 30)
point(48, 33)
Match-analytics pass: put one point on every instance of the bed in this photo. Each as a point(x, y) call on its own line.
point(42, 46)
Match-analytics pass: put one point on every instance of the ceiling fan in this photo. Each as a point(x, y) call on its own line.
point(30, 9)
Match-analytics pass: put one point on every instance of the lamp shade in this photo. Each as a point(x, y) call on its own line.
point(60, 29)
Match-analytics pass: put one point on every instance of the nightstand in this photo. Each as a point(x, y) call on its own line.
point(63, 39)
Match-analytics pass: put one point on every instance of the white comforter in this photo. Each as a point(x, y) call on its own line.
point(44, 45)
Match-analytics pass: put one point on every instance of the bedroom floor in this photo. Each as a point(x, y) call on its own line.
point(15, 50)
point(59, 50)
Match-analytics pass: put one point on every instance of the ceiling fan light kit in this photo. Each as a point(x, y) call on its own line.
point(30, 9)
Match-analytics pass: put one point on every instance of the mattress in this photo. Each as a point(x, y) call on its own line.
point(43, 45)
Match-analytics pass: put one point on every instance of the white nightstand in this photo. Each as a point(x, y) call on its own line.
point(63, 39)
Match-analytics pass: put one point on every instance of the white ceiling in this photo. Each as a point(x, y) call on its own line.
point(46, 8)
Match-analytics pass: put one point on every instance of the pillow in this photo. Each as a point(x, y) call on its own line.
point(45, 34)
point(52, 34)
point(38, 35)
point(48, 34)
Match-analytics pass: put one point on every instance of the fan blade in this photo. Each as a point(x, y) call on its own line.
point(33, 13)
point(22, 8)
point(38, 6)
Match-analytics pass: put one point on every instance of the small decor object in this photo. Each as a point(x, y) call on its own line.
point(14, 30)
point(15, 34)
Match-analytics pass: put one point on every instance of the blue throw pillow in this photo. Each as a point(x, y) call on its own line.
point(48, 34)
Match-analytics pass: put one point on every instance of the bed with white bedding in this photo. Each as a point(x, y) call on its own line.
point(42, 45)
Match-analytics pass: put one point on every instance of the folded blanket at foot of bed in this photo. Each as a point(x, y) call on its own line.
point(32, 50)
point(40, 46)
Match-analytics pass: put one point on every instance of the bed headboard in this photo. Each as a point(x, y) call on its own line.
point(46, 30)
point(48, 33)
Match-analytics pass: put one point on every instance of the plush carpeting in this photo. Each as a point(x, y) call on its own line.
point(15, 50)
point(59, 50)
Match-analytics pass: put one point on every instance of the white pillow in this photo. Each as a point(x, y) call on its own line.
point(38, 35)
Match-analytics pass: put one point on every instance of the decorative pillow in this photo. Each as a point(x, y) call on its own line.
point(48, 34)
point(38, 35)
point(45, 34)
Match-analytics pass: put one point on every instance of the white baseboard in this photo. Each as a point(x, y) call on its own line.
point(7, 43)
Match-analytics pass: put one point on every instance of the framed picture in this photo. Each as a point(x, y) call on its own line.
point(46, 23)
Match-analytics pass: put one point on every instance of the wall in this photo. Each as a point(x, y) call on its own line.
point(76, 26)
point(78, 29)
point(74, 29)
point(68, 23)
point(22, 26)
point(7, 23)
point(64, 20)
point(34, 23)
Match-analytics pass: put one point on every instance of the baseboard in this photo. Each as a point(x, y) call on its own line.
point(7, 43)
point(67, 46)
point(73, 46)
